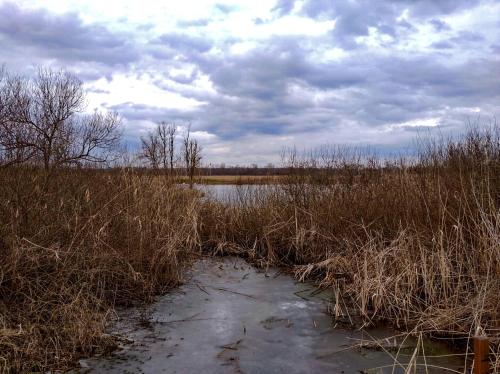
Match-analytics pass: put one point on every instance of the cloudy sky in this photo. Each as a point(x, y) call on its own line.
point(255, 76)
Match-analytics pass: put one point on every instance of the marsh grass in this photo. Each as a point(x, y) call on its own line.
point(75, 247)
point(412, 242)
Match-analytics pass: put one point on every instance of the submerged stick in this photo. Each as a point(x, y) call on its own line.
point(231, 291)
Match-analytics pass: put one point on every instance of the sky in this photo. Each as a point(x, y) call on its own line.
point(253, 77)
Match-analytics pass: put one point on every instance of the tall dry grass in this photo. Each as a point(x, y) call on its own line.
point(413, 242)
point(74, 246)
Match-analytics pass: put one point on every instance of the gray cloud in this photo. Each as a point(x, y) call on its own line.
point(255, 98)
point(284, 7)
point(223, 8)
point(355, 18)
point(443, 45)
point(282, 91)
point(185, 43)
point(468, 37)
point(193, 23)
point(63, 37)
point(255, 90)
point(141, 112)
point(440, 25)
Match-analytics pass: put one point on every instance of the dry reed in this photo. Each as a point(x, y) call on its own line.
point(75, 246)
point(415, 243)
point(412, 242)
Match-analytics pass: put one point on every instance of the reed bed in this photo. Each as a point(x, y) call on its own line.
point(415, 243)
point(72, 248)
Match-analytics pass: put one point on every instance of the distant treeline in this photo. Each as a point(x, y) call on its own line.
point(243, 170)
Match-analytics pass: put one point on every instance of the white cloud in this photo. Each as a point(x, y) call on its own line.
point(253, 80)
point(138, 90)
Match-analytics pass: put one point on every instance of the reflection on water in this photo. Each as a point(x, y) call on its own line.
point(233, 193)
point(241, 193)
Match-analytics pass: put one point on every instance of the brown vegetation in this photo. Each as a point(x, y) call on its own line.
point(73, 251)
point(74, 242)
point(413, 243)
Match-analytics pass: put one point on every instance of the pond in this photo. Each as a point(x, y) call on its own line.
point(230, 317)
point(233, 193)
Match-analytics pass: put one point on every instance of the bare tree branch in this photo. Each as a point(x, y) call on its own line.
point(158, 147)
point(192, 156)
point(151, 149)
point(41, 121)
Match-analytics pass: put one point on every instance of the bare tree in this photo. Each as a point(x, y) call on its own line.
point(167, 133)
point(171, 134)
point(151, 149)
point(41, 120)
point(158, 147)
point(10, 133)
point(192, 156)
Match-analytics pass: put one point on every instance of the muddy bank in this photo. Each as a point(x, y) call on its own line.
point(232, 318)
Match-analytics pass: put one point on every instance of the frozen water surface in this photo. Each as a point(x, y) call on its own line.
point(232, 318)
